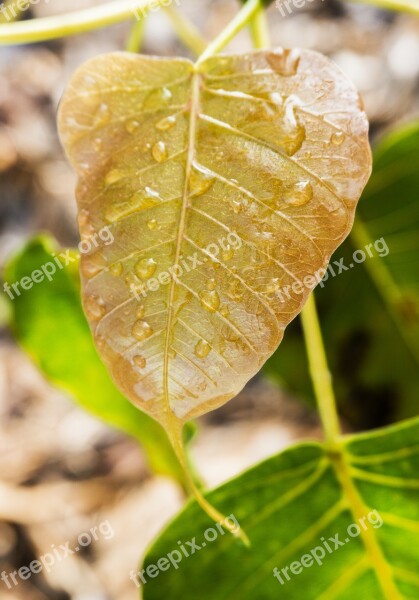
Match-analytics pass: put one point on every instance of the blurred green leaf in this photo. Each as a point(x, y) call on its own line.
point(390, 209)
point(49, 323)
point(5, 310)
point(366, 493)
point(370, 312)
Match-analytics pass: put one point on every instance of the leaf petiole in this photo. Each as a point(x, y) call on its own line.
point(136, 36)
point(259, 29)
point(319, 371)
point(186, 31)
point(243, 17)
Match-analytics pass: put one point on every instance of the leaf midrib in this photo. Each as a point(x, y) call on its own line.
point(339, 460)
point(380, 565)
point(194, 110)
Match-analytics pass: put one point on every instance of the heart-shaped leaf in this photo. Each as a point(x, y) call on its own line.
point(336, 525)
point(226, 186)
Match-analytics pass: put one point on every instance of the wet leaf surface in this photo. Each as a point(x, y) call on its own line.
point(226, 188)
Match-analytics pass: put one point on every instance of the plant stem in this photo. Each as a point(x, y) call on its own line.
point(411, 6)
point(49, 28)
point(259, 29)
point(240, 20)
point(377, 270)
point(319, 371)
point(186, 31)
point(136, 36)
point(386, 286)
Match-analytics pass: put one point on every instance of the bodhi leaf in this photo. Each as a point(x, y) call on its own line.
point(48, 322)
point(337, 526)
point(223, 183)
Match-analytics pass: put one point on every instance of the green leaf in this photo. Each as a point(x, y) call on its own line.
point(390, 209)
point(50, 325)
point(373, 341)
point(5, 310)
point(290, 505)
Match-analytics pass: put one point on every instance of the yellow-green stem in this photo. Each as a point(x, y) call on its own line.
point(242, 18)
point(136, 36)
point(77, 22)
point(385, 284)
point(177, 440)
point(259, 29)
point(73, 23)
point(186, 31)
point(319, 371)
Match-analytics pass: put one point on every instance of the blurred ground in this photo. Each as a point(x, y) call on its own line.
point(61, 471)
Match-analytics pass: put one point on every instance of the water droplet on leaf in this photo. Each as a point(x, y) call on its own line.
point(141, 330)
point(85, 226)
point(92, 265)
point(158, 97)
point(140, 361)
point(102, 115)
point(200, 180)
point(166, 123)
point(228, 253)
point(140, 311)
point(337, 138)
point(145, 268)
point(132, 125)
point(202, 349)
point(94, 307)
point(113, 176)
point(210, 300)
point(116, 269)
point(300, 194)
point(159, 151)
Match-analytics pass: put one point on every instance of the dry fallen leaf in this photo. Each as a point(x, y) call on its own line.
point(226, 187)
